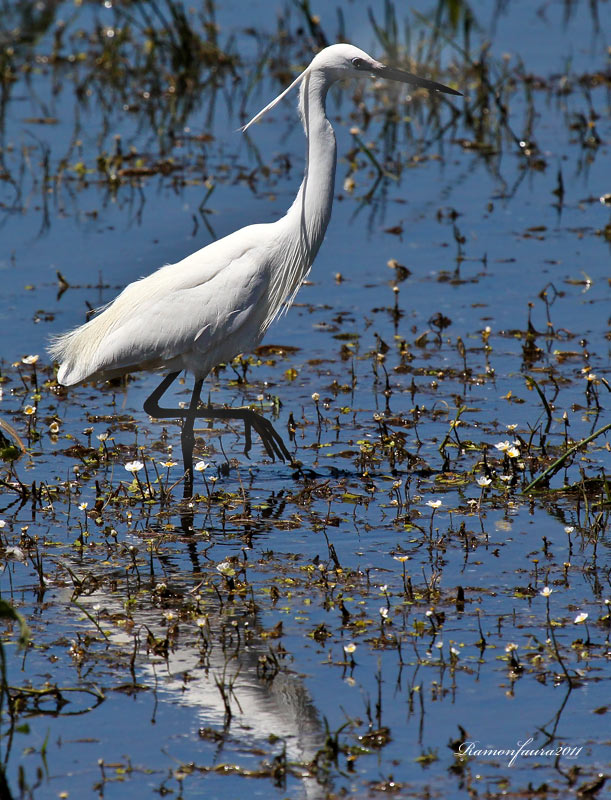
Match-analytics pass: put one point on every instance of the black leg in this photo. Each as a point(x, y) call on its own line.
point(151, 404)
point(271, 439)
point(187, 438)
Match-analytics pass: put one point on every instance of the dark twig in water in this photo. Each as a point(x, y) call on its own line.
point(532, 383)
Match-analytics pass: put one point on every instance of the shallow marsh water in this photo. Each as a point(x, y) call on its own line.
point(218, 662)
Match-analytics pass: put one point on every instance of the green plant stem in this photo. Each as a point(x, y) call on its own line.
point(6, 426)
point(551, 470)
point(367, 151)
point(91, 619)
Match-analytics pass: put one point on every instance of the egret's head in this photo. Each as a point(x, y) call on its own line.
point(343, 61)
point(346, 61)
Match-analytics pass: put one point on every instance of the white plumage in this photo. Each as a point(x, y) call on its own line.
point(188, 315)
point(219, 301)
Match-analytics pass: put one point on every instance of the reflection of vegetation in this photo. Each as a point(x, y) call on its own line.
point(144, 68)
point(8, 707)
point(168, 58)
point(22, 25)
point(149, 69)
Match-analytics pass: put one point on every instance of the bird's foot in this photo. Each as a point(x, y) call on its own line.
point(272, 441)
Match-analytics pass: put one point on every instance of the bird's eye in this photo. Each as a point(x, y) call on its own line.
point(358, 63)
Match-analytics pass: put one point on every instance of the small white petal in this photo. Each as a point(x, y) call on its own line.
point(134, 466)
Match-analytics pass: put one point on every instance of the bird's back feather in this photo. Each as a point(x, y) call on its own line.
point(176, 314)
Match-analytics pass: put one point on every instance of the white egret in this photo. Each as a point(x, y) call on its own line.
point(220, 301)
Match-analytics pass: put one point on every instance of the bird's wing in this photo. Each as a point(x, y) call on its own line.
point(204, 309)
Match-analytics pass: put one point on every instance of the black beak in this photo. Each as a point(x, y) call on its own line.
point(392, 74)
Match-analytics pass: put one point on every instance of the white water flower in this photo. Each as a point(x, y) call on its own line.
point(483, 482)
point(546, 591)
point(581, 617)
point(134, 466)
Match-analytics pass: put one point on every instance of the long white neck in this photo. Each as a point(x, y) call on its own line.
point(302, 229)
point(311, 211)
